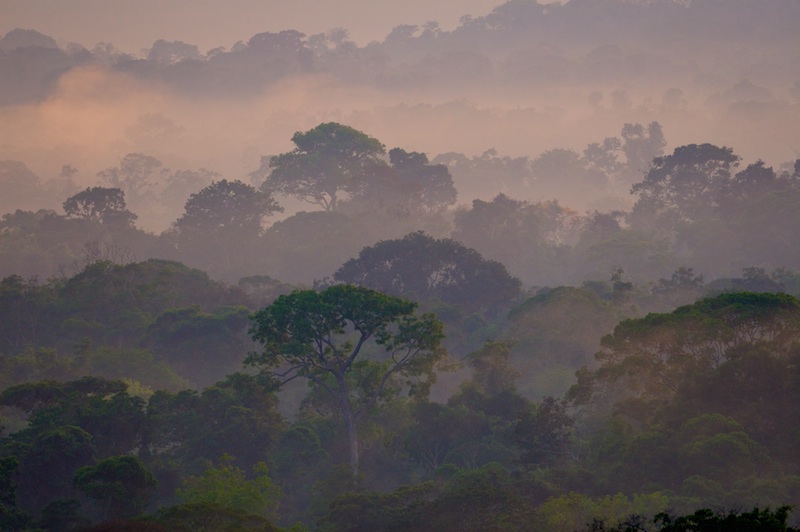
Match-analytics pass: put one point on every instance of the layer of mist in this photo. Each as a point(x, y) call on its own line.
point(454, 265)
point(524, 79)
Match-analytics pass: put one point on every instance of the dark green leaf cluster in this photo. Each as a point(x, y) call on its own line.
point(327, 330)
point(701, 401)
point(653, 355)
point(421, 267)
point(90, 437)
point(153, 321)
point(702, 520)
point(122, 483)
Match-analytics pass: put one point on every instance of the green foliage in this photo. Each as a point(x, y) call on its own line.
point(34, 364)
point(133, 364)
point(421, 267)
point(487, 421)
point(554, 333)
point(127, 298)
point(479, 499)
point(353, 344)
point(100, 410)
point(577, 511)
point(458, 435)
point(8, 488)
point(237, 415)
point(66, 328)
point(11, 517)
point(473, 499)
point(208, 517)
point(702, 520)
point(654, 355)
point(492, 370)
point(312, 331)
point(52, 453)
point(544, 433)
point(62, 514)
point(35, 396)
point(200, 345)
point(719, 448)
point(300, 459)
point(402, 509)
point(227, 486)
point(704, 402)
point(104, 362)
point(712, 446)
point(121, 484)
point(699, 403)
point(26, 309)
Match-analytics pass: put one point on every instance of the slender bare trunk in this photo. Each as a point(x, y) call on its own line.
point(350, 424)
point(352, 437)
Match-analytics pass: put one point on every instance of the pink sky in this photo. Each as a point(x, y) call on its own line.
point(134, 25)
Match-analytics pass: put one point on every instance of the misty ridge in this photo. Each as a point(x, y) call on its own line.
point(535, 102)
point(539, 272)
point(523, 79)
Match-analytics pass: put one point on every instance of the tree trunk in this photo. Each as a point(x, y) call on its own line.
point(350, 423)
point(352, 437)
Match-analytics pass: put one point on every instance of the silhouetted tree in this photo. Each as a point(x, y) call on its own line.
point(100, 204)
point(328, 161)
point(421, 267)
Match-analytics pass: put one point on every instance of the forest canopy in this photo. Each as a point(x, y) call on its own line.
point(537, 270)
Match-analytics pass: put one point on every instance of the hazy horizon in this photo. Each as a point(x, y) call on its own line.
point(518, 81)
point(133, 26)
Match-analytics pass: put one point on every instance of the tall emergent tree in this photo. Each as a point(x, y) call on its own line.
point(100, 204)
point(421, 267)
point(329, 160)
point(412, 187)
point(684, 187)
point(354, 345)
point(221, 224)
point(229, 207)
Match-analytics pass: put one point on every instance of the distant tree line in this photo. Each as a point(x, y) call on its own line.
point(504, 46)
